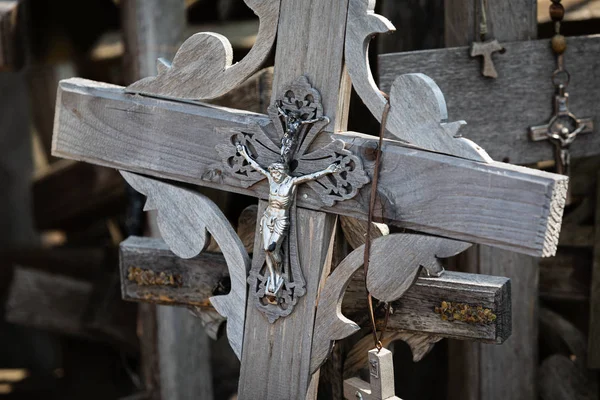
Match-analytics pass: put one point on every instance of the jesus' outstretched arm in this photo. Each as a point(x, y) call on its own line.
point(244, 152)
point(316, 175)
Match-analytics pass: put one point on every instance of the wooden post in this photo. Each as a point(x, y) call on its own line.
point(174, 345)
point(271, 369)
point(509, 371)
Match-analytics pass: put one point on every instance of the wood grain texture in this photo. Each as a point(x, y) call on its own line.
point(424, 126)
point(177, 339)
point(438, 194)
point(397, 259)
point(510, 369)
point(594, 329)
point(461, 23)
point(507, 371)
point(202, 67)
point(355, 230)
point(301, 50)
point(254, 94)
point(524, 78)
point(276, 358)
point(419, 316)
point(184, 219)
point(151, 29)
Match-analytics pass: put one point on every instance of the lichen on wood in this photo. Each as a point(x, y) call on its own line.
point(465, 313)
point(147, 277)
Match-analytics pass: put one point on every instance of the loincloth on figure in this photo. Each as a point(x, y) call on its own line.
point(275, 223)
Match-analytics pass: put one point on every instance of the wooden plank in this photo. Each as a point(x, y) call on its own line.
point(524, 78)
point(523, 206)
point(12, 51)
point(276, 357)
point(507, 371)
point(195, 280)
point(594, 329)
point(309, 22)
point(183, 354)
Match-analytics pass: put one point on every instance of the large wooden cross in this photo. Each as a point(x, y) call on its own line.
point(448, 187)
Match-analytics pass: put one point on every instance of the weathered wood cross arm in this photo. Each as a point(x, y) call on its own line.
point(150, 272)
point(492, 203)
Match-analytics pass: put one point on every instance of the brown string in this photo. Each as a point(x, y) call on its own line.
point(367, 252)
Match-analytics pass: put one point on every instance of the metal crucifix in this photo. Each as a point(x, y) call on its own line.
point(448, 187)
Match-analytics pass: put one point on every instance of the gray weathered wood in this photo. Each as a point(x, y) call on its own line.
point(594, 330)
point(382, 258)
point(201, 276)
point(202, 67)
point(184, 219)
point(488, 105)
point(424, 126)
point(277, 357)
point(309, 22)
point(179, 361)
point(523, 206)
point(510, 369)
point(151, 29)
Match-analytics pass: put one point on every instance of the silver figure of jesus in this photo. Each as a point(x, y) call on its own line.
point(275, 221)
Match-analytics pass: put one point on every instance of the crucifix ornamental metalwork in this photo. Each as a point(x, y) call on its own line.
point(305, 168)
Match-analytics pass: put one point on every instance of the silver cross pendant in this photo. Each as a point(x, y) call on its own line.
point(561, 130)
point(381, 373)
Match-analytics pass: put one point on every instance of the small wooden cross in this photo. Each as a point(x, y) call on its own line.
point(155, 130)
point(485, 50)
point(381, 376)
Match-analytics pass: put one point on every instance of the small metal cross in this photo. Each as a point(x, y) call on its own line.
point(485, 50)
point(561, 130)
point(381, 371)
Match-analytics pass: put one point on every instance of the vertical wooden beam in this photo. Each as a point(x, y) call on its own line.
point(175, 366)
point(479, 371)
point(276, 357)
point(594, 330)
